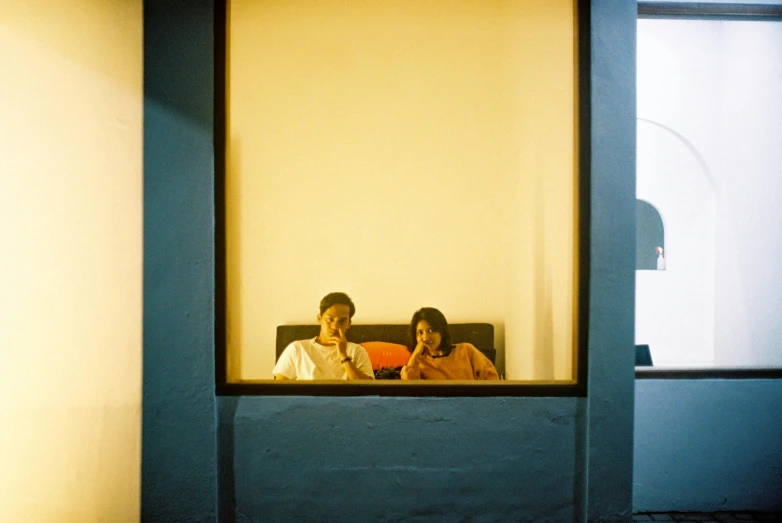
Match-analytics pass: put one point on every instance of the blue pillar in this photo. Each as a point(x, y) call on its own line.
point(178, 478)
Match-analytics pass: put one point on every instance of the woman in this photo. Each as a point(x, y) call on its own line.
point(434, 357)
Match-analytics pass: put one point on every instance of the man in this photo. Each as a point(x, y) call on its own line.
point(329, 356)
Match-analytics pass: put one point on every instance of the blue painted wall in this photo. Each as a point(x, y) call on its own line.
point(708, 445)
point(294, 459)
point(405, 459)
point(179, 480)
point(609, 410)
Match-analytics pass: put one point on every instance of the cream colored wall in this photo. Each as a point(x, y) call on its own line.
point(71, 269)
point(410, 155)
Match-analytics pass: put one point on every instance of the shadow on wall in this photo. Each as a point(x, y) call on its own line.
point(97, 19)
point(167, 77)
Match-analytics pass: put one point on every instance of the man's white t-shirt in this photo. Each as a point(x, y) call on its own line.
point(309, 360)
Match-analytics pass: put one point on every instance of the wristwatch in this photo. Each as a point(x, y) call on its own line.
point(346, 358)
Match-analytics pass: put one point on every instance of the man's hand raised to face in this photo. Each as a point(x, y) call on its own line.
point(338, 339)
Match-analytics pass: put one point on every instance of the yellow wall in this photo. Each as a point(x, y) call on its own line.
point(71, 269)
point(410, 154)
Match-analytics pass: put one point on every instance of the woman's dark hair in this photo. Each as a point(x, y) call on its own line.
point(337, 298)
point(437, 322)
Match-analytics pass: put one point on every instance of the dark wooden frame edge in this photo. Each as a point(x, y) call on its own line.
point(503, 388)
point(709, 11)
point(711, 373)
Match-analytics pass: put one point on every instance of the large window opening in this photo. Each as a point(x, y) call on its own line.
point(409, 155)
point(709, 160)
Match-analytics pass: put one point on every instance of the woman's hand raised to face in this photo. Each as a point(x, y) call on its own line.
point(420, 349)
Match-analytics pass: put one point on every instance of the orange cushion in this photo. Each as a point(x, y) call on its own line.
point(384, 355)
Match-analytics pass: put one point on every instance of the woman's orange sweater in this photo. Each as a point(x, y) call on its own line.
point(465, 362)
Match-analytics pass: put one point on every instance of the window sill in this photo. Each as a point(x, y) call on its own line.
point(690, 373)
point(404, 389)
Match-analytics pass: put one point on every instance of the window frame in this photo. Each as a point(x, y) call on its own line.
point(709, 11)
point(511, 388)
point(715, 12)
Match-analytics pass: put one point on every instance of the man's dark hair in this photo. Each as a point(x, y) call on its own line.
point(337, 298)
point(437, 322)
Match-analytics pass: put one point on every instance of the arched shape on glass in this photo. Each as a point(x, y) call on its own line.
point(649, 238)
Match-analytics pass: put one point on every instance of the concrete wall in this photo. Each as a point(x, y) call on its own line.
point(405, 459)
point(707, 445)
point(179, 476)
point(71, 264)
point(307, 458)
